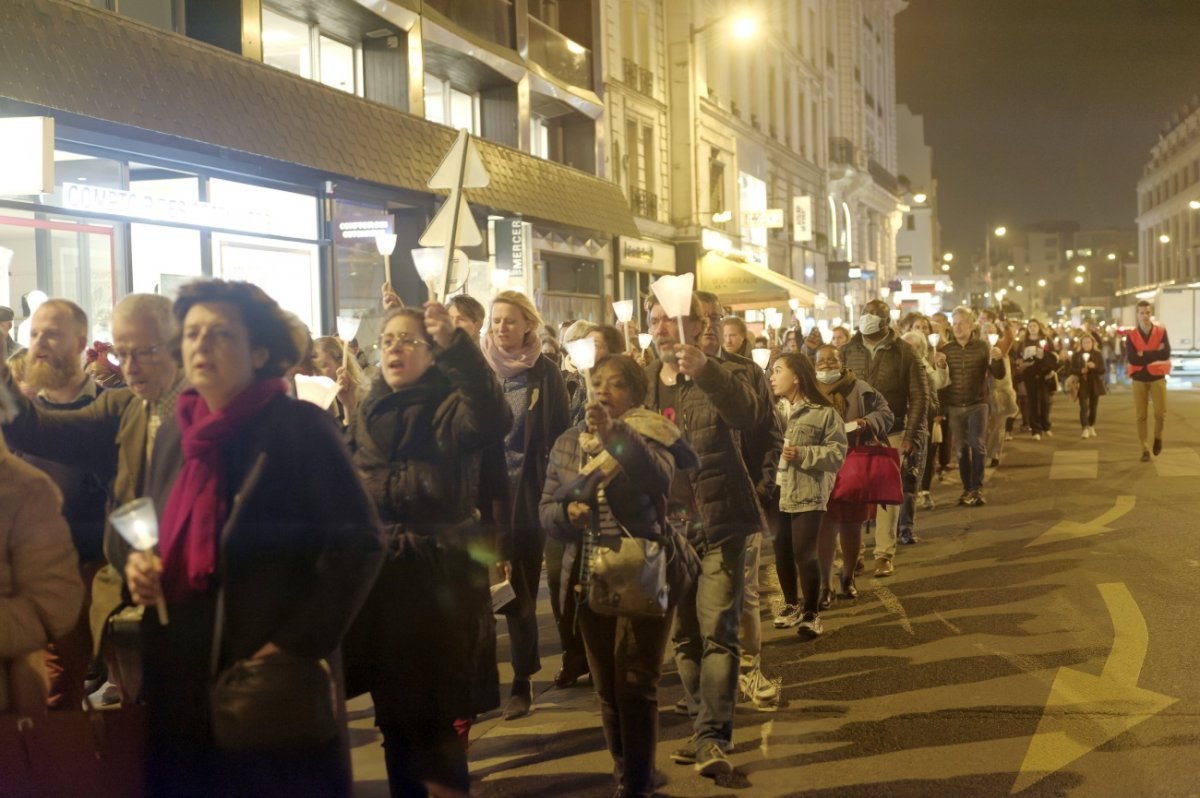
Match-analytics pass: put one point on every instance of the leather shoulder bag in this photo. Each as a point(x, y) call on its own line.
point(277, 702)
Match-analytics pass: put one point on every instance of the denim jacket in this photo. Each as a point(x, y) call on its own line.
point(819, 433)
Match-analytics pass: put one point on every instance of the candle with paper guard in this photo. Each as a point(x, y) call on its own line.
point(761, 357)
point(674, 293)
point(347, 328)
point(137, 522)
point(583, 355)
point(623, 310)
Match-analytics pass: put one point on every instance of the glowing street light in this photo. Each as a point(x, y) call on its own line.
point(1112, 256)
point(1079, 279)
point(1194, 205)
point(745, 27)
point(948, 256)
point(1001, 230)
point(920, 198)
point(945, 267)
point(1164, 239)
point(1041, 283)
point(1081, 268)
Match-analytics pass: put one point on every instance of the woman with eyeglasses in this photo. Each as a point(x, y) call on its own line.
point(419, 436)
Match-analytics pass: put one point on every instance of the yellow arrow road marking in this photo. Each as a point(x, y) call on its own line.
point(1069, 530)
point(1084, 711)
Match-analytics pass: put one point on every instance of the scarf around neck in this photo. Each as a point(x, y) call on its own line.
point(506, 365)
point(197, 509)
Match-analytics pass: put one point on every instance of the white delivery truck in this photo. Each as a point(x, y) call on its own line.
point(1178, 309)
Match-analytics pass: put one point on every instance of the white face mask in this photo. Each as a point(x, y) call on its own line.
point(829, 377)
point(869, 324)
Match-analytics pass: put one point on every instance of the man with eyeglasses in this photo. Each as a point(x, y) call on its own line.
point(110, 437)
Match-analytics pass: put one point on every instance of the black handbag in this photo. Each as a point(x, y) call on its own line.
point(277, 702)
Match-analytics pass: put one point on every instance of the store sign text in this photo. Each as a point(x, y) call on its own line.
point(632, 251)
point(802, 218)
point(133, 204)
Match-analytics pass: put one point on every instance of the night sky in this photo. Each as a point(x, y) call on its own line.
point(1043, 109)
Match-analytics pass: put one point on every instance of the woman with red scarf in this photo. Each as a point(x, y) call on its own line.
point(295, 560)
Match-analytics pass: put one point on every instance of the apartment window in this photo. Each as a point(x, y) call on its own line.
point(716, 186)
point(298, 47)
point(637, 32)
point(165, 14)
point(648, 157)
point(448, 106)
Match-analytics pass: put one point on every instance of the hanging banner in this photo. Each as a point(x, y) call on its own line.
point(802, 218)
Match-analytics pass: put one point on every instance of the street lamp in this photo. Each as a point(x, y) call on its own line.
point(920, 198)
point(1164, 239)
point(1194, 205)
point(744, 27)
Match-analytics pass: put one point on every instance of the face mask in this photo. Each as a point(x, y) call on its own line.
point(869, 325)
point(829, 377)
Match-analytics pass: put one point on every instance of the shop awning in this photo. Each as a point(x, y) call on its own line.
point(743, 284)
point(94, 65)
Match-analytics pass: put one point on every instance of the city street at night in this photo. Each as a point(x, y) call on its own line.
point(1040, 645)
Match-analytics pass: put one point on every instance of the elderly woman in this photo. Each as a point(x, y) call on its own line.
point(535, 393)
point(419, 439)
point(258, 503)
point(625, 654)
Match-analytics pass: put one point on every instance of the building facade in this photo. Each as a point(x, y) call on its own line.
point(920, 282)
point(276, 140)
point(1169, 203)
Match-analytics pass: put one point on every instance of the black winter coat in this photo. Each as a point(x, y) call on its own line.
point(418, 643)
point(896, 373)
point(715, 410)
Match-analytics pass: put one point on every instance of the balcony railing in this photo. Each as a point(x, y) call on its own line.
point(568, 61)
point(490, 19)
point(631, 72)
point(841, 150)
point(646, 81)
point(883, 177)
point(644, 203)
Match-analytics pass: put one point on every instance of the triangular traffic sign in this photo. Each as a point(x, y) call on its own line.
point(465, 157)
point(438, 232)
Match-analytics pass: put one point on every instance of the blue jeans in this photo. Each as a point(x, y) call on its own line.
point(968, 425)
point(706, 640)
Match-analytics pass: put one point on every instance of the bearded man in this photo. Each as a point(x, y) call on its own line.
point(57, 338)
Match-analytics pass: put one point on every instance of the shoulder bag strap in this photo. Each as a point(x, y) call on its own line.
point(239, 502)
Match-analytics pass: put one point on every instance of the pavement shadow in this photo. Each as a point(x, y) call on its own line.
point(584, 785)
point(517, 751)
point(857, 686)
point(985, 785)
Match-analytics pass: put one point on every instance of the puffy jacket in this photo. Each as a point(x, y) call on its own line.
point(895, 371)
point(636, 496)
point(714, 410)
point(969, 366)
point(818, 432)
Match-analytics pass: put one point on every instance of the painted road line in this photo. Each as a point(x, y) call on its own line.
point(1070, 464)
point(1084, 711)
point(1178, 463)
point(1068, 530)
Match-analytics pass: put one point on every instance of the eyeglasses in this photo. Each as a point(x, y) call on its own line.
point(127, 356)
point(405, 343)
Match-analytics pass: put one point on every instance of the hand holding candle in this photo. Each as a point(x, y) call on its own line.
point(137, 523)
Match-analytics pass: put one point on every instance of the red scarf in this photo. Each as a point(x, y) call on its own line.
point(197, 509)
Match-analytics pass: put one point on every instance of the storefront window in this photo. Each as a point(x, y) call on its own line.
point(288, 272)
point(358, 266)
point(62, 257)
point(164, 258)
point(573, 288)
point(266, 210)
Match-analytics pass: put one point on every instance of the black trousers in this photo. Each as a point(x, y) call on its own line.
point(625, 656)
point(796, 555)
point(1087, 409)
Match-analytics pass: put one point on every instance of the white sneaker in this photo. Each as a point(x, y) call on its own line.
point(810, 626)
point(1008, 436)
point(788, 616)
point(1092, 431)
point(1085, 435)
point(1037, 436)
point(1049, 434)
point(756, 688)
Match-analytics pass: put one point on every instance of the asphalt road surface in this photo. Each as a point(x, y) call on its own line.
point(1042, 645)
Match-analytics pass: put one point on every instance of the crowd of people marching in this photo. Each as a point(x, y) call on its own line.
point(306, 552)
